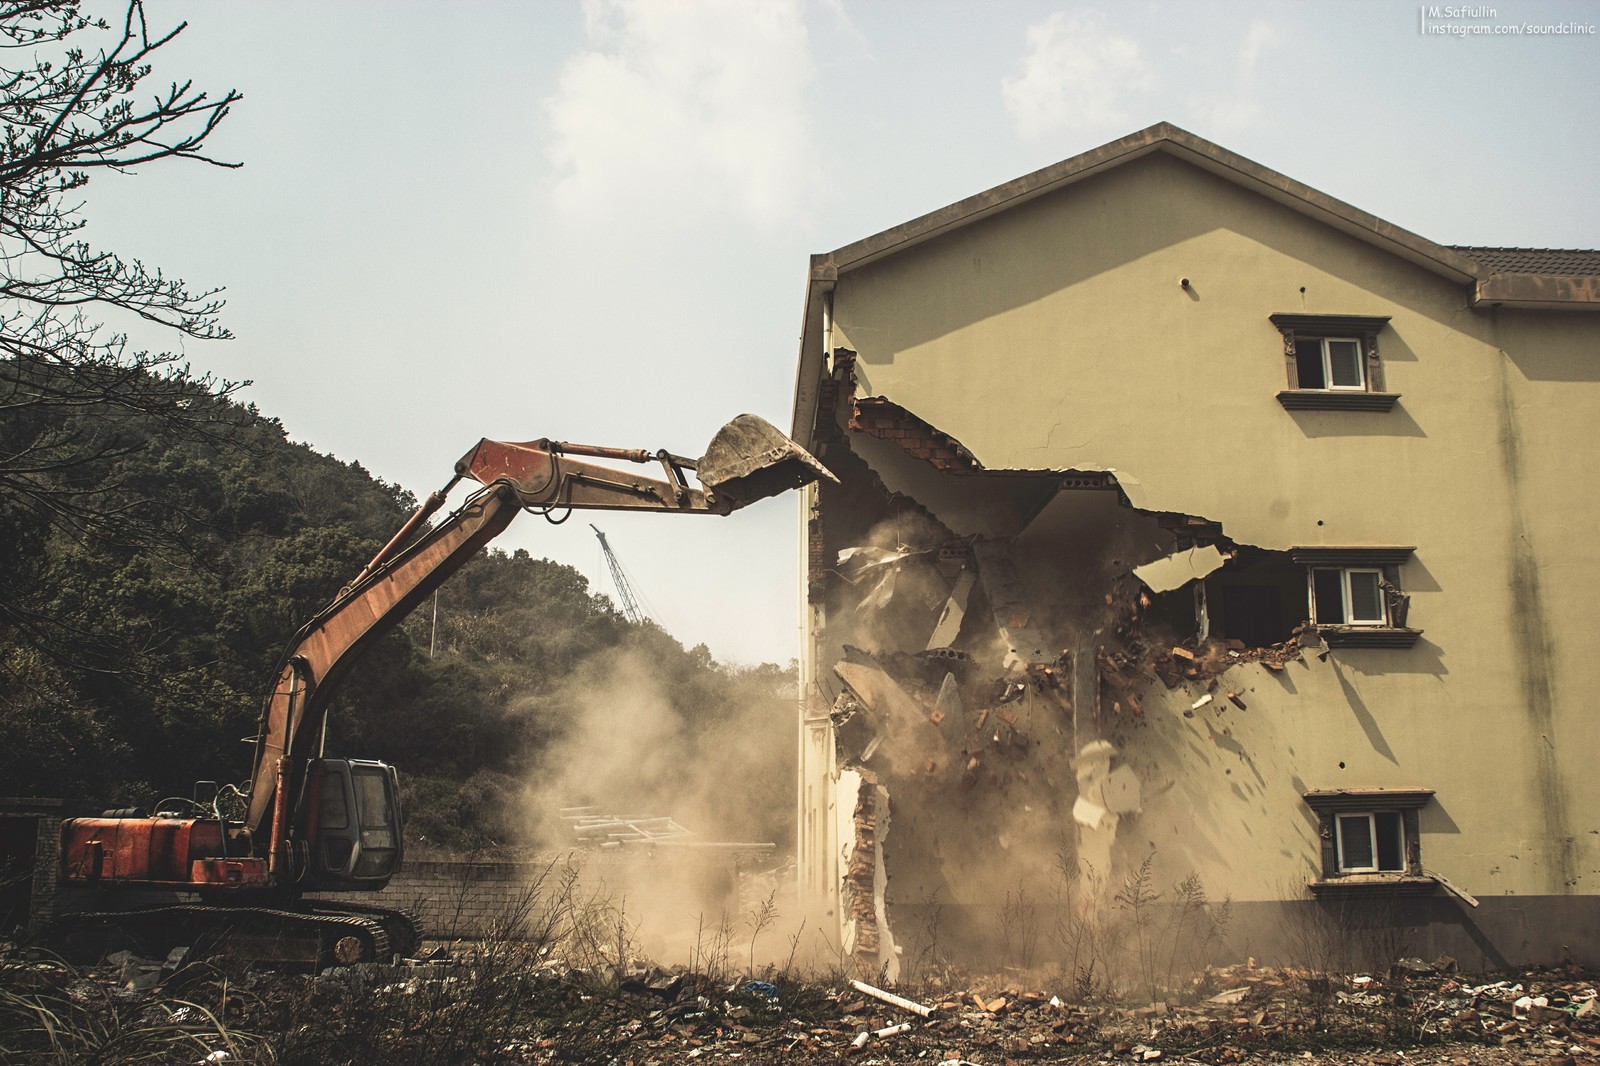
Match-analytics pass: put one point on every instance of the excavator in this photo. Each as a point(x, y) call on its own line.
point(272, 884)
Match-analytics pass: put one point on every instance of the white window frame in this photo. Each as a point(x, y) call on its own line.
point(1371, 820)
point(1322, 344)
point(1346, 606)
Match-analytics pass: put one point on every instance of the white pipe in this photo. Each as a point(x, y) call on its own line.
point(891, 998)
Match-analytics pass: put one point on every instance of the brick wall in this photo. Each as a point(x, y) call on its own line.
point(30, 828)
point(474, 899)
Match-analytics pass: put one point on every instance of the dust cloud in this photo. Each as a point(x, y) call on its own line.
point(641, 741)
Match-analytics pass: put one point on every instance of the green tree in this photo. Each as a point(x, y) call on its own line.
point(76, 97)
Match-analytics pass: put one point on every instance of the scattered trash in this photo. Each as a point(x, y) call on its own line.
point(1230, 1015)
point(762, 988)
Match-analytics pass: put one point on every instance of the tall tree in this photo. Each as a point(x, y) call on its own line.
point(76, 98)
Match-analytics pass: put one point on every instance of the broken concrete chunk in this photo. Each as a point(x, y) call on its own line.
point(948, 703)
point(1091, 815)
point(1009, 599)
point(1180, 568)
point(1121, 793)
point(879, 692)
point(955, 611)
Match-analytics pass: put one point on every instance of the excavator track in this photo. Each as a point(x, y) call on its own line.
point(257, 934)
point(403, 926)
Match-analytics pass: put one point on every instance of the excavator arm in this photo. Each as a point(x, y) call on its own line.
point(748, 460)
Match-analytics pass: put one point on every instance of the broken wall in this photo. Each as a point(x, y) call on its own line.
point(1018, 357)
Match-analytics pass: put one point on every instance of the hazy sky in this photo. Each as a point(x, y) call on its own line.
point(591, 221)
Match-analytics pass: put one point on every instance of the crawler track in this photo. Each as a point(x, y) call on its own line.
point(323, 934)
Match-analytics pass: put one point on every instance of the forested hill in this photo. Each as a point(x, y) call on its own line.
point(137, 640)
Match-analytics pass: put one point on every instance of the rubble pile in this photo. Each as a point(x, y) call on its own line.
point(980, 691)
point(489, 1003)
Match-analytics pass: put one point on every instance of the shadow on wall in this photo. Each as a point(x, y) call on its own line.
point(1109, 222)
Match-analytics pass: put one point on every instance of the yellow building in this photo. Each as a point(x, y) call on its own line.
point(1199, 529)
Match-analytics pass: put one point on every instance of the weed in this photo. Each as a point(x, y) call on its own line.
point(1019, 928)
point(763, 914)
point(44, 1021)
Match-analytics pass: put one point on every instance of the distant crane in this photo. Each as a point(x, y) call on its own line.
point(619, 578)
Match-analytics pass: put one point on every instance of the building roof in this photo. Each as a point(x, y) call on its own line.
point(1571, 262)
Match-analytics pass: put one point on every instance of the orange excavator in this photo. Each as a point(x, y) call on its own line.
point(317, 827)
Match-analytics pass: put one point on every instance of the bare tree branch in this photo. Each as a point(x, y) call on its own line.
point(75, 98)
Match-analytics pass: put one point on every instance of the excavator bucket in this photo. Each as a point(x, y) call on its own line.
point(749, 460)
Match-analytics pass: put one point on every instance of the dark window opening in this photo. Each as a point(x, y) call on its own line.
point(1258, 598)
point(1253, 614)
point(1327, 591)
point(1308, 362)
point(1391, 841)
point(1173, 611)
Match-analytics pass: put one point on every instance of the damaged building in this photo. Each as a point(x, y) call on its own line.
point(1193, 522)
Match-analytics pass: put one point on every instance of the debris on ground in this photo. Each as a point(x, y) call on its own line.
point(494, 1003)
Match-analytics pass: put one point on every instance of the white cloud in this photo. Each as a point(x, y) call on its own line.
point(1076, 76)
point(682, 107)
point(1232, 112)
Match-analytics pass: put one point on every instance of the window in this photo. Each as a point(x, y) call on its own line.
point(1370, 842)
point(1348, 597)
point(1332, 363)
point(1329, 363)
point(1354, 596)
point(1370, 838)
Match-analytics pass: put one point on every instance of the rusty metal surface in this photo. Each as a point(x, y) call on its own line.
point(136, 849)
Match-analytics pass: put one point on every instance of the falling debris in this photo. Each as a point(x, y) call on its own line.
point(955, 611)
point(1180, 568)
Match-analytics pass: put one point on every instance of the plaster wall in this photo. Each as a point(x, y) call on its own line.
point(1057, 336)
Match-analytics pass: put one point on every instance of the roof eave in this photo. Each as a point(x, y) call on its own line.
point(1539, 292)
point(813, 349)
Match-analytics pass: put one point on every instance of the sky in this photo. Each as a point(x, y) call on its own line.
point(591, 221)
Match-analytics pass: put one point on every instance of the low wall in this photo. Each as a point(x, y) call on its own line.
point(655, 887)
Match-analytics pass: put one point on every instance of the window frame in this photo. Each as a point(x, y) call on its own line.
point(1393, 630)
point(1363, 330)
point(1332, 806)
point(1370, 818)
point(1325, 351)
point(1347, 599)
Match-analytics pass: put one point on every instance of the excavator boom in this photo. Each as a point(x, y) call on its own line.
point(747, 460)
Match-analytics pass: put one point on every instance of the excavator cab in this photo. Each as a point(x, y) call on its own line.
point(355, 823)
